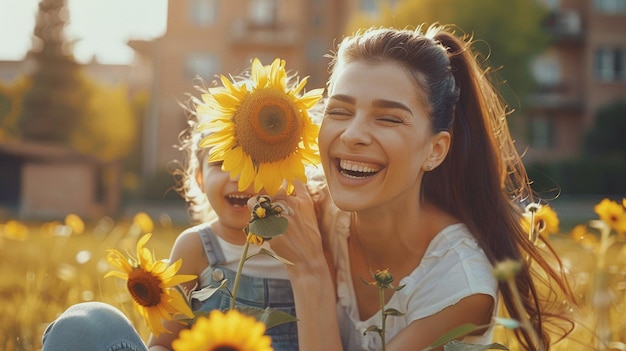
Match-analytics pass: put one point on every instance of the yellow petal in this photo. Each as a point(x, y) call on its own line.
point(247, 175)
point(270, 177)
point(233, 160)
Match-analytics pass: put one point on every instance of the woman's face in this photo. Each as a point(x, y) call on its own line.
point(375, 139)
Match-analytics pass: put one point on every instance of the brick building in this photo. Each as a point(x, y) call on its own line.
point(583, 70)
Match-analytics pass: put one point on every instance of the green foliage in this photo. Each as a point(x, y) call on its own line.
point(584, 176)
point(57, 98)
point(602, 167)
point(109, 126)
point(508, 32)
point(11, 95)
point(607, 138)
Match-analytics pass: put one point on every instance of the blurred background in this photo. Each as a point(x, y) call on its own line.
point(90, 91)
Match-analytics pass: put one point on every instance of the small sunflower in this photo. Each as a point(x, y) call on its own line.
point(151, 284)
point(260, 127)
point(76, 223)
point(612, 213)
point(221, 331)
point(581, 235)
point(14, 230)
point(546, 221)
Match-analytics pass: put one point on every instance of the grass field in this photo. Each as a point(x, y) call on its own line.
point(46, 267)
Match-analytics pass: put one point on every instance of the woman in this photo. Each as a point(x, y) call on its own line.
point(427, 183)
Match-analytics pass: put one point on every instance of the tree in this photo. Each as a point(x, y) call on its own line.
point(606, 138)
point(110, 125)
point(56, 100)
point(508, 33)
point(11, 95)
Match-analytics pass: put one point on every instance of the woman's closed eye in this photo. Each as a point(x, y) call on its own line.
point(390, 119)
point(338, 113)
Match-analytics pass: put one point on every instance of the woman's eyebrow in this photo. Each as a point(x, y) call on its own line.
point(381, 103)
point(391, 104)
point(343, 98)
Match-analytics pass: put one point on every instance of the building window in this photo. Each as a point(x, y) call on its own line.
point(610, 6)
point(203, 12)
point(547, 70)
point(610, 64)
point(541, 132)
point(262, 12)
point(205, 66)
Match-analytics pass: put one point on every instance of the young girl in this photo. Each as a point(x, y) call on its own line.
point(210, 250)
point(425, 181)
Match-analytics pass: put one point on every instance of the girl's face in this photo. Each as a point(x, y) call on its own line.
point(375, 139)
point(229, 204)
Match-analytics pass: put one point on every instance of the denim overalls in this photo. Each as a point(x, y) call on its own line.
point(254, 292)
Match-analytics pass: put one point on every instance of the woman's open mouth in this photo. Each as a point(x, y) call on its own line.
point(357, 170)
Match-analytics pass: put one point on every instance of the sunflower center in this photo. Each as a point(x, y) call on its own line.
point(225, 348)
point(267, 126)
point(144, 288)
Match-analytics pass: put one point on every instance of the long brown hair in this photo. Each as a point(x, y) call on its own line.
point(482, 181)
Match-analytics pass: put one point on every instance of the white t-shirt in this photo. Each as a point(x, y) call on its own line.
point(453, 267)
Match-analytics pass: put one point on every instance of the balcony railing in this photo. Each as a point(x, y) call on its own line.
point(556, 101)
point(565, 25)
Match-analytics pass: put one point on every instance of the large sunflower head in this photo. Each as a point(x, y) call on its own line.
point(224, 331)
point(152, 285)
point(260, 127)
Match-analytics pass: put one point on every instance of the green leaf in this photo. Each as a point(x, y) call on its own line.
point(393, 312)
point(456, 345)
point(400, 287)
point(205, 293)
point(373, 328)
point(273, 255)
point(270, 317)
point(269, 227)
point(507, 322)
point(453, 334)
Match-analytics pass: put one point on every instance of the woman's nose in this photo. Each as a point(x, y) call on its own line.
point(356, 132)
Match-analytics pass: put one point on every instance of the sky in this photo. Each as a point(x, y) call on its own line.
point(100, 27)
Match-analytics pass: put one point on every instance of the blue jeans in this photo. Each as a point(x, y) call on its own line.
point(93, 326)
point(258, 293)
point(96, 326)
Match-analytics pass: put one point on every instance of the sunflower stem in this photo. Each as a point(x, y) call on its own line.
point(524, 320)
point(244, 256)
point(381, 296)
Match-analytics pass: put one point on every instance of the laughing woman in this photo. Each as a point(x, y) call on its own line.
point(423, 179)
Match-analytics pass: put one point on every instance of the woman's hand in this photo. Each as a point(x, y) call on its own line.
point(302, 243)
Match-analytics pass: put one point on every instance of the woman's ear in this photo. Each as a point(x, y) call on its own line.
point(439, 147)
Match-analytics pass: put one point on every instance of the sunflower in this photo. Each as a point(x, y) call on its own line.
point(545, 219)
point(151, 284)
point(76, 223)
point(230, 330)
point(612, 213)
point(260, 127)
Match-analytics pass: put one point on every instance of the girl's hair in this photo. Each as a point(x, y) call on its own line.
point(187, 170)
point(482, 181)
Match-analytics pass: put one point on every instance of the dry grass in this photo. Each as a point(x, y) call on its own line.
point(46, 270)
point(43, 273)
